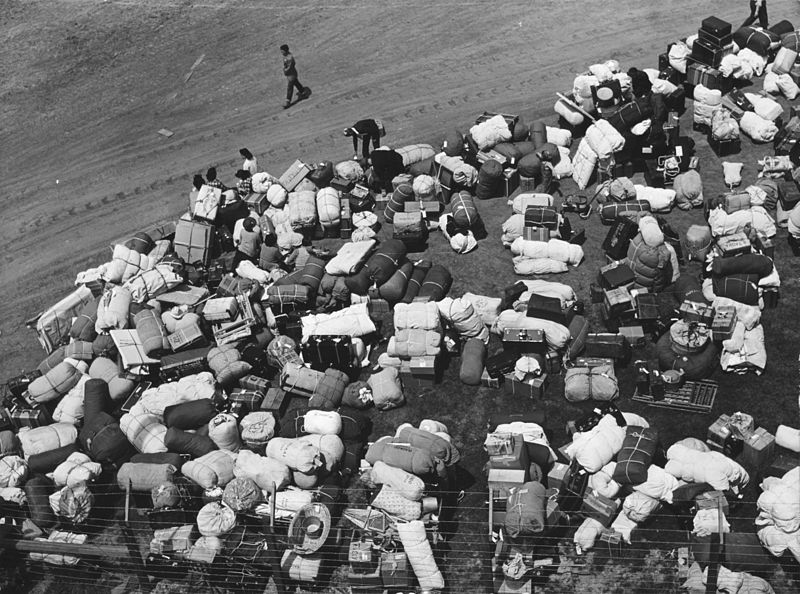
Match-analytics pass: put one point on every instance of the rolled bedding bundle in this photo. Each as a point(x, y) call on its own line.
point(407, 344)
point(490, 132)
point(328, 207)
point(387, 390)
point(55, 383)
point(591, 383)
point(394, 289)
point(190, 415)
point(765, 107)
point(417, 316)
point(408, 485)
point(564, 293)
point(473, 359)
point(756, 264)
point(688, 187)
point(742, 288)
point(757, 128)
point(192, 444)
point(437, 283)
point(556, 335)
point(302, 210)
point(420, 555)
point(713, 468)
point(523, 201)
point(312, 272)
point(349, 170)
point(215, 469)
point(555, 249)
point(299, 380)
point(465, 213)
point(353, 320)
point(604, 139)
point(263, 470)
point(149, 284)
point(83, 325)
point(296, 454)
point(490, 180)
point(488, 308)
point(70, 407)
point(152, 332)
point(756, 217)
point(404, 456)
point(415, 153)
point(660, 199)
point(125, 264)
point(289, 294)
point(226, 363)
point(437, 446)
point(107, 370)
point(330, 390)
point(76, 469)
point(379, 268)
point(583, 164)
point(418, 275)
point(49, 460)
point(526, 510)
point(13, 471)
point(461, 315)
point(145, 432)
point(46, 438)
point(595, 448)
point(112, 309)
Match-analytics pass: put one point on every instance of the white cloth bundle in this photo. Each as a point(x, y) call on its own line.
point(677, 56)
point(302, 209)
point(76, 469)
point(145, 432)
point(603, 483)
point(713, 468)
point(659, 484)
point(297, 455)
point(563, 168)
point(787, 86)
point(70, 407)
point(651, 231)
point(420, 555)
point(353, 321)
point(491, 132)
point(189, 388)
point(788, 437)
point(488, 308)
point(349, 170)
point(555, 249)
point(598, 446)
point(350, 257)
point(417, 316)
point(733, 66)
point(559, 136)
point(639, 506)
point(395, 504)
point(223, 430)
point(560, 291)
point(414, 153)
point(582, 85)
point(408, 485)
point(13, 471)
point(745, 350)
point(329, 208)
point(556, 335)
point(757, 128)
point(331, 446)
point(246, 269)
point(50, 437)
point(112, 309)
point(215, 519)
point(55, 383)
point(126, 263)
point(150, 283)
point(207, 202)
point(463, 317)
point(779, 503)
point(215, 469)
point(767, 108)
point(263, 470)
point(512, 229)
point(527, 266)
point(583, 164)
point(604, 139)
point(757, 217)
point(756, 62)
point(460, 242)
point(660, 199)
point(322, 422)
point(587, 533)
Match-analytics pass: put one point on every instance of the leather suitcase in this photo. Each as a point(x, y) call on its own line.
point(600, 508)
point(716, 26)
point(547, 308)
point(341, 184)
point(178, 365)
point(617, 274)
point(714, 39)
point(501, 363)
point(521, 340)
point(607, 345)
point(321, 352)
point(541, 216)
point(619, 237)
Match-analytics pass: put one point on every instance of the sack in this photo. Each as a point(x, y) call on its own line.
point(144, 476)
point(387, 391)
point(525, 510)
point(190, 415)
point(591, 383)
point(212, 470)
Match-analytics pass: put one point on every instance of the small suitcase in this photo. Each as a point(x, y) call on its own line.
point(521, 340)
point(501, 363)
point(512, 293)
point(600, 508)
point(607, 345)
point(713, 39)
point(547, 308)
point(619, 237)
point(178, 365)
point(275, 401)
point(296, 173)
point(541, 216)
point(716, 26)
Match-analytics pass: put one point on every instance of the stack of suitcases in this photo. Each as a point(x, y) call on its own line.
point(714, 42)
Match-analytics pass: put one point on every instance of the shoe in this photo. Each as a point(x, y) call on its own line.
point(287, 105)
point(305, 94)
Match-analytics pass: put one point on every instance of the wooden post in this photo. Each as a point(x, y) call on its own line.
point(273, 552)
point(131, 545)
point(715, 554)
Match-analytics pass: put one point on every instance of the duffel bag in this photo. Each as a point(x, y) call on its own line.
point(591, 383)
point(636, 455)
point(525, 510)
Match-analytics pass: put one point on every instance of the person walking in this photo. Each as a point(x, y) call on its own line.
point(757, 8)
point(290, 71)
point(366, 130)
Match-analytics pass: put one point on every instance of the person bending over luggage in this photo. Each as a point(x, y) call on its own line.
point(248, 243)
point(245, 184)
point(250, 162)
point(365, 130)
point(757, 8)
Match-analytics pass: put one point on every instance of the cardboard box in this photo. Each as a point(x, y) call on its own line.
point(516, 459)
point(531, 387)
point(617, 301)
point(692, 311)
point(491, 382)
point(723, 323)
point(275, 401)
point(296, 173)
point(558, 476)
point(712, 500)
point(600, 508)
point(502, 480)
point(759, 449)
point(190, 336)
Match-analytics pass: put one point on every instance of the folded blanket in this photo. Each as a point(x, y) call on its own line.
point(149, 284)
point(353, 321)
point(604, 139)
point(350, 257)
point(414, 343)
point(583, 164)
point(660, 199)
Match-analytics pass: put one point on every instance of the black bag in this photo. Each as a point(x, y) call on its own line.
point(256, 357)
point(190, 415)
point(322, 175)
point(104, 441)
point(501, 363)
point(48, 461)
point(619, 237)
point(716, 26)
point(19, 384)
point(547, 308)
point(605, 344)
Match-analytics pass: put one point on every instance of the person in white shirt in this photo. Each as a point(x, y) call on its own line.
point(250, 162)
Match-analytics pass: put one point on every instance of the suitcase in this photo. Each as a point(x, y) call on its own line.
point(341, 184)
point(647, 309)
point(321, 352)
point(275, 401)
point(600, 508)
point(759, 449)
point(257, 202)
point(177, 365)
point(548, 308)
point(702, 74)
point(541, 216)
point(724, 148)
point(501, 363)
point(188, 337)
point(716, 26)
point(734, 245)
point(360, 199)
point(618, 238)
point(194, 241)
point(607, 345)
point(617, 301)
point(714, 39)
point(616, 274)
point(536, 234)
point(296, 173)
point(522, 341)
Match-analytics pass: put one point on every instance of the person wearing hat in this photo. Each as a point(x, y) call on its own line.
point(250, 163)
point(366, 130)
point(290, 71)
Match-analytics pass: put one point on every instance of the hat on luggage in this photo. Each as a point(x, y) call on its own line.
point(310, 528)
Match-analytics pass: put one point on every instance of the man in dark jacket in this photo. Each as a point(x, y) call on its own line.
point(758, 8)
point(290, 71)
point(366, 130)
